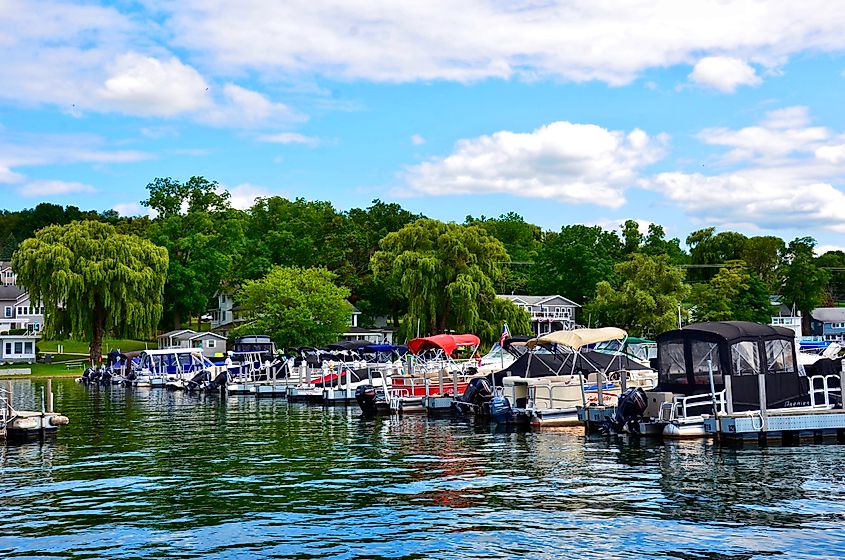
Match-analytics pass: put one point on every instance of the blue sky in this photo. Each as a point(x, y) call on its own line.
point(717, 113)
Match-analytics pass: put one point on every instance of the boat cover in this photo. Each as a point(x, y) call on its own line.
point(579, 337)
point(446, 342)
point(587, 362)
point(398, 348)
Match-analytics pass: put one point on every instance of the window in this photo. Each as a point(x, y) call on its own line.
point(779, 356)
point(8, 348)
point(36, 327)
point(745, 358)
point(27, 348)
point(704, 355)
point(210, 343)
point(8, 312)
point(18, 347)
point(672, 366)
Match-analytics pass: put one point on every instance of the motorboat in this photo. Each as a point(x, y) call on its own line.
point(559, 376)
point(715, 370)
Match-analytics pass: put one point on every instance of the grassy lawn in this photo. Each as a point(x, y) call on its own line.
point(42, 370)
point(81, 346)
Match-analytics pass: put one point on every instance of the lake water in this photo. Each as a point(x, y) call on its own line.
point(153, 474)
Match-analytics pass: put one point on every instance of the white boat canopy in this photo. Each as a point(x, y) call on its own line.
point(577, 338)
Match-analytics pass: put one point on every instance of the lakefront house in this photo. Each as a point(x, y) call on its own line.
point(548, 313)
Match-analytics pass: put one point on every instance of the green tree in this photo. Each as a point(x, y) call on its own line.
point(762, 253)
point(572, 262)
point(93, 281)
point(448, 272)
point(655, 243)
point(804, 282)
point(296, 306)
point(202, 234)
point(522, 241)
point(632, 239)
point(647, 299)
point(834, 263)
point(733, 294)
point(364, 229)
point(708, 248)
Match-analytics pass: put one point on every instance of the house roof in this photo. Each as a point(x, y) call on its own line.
point(829, 314)
point(537, 300)
point(364, 330)
point(10, 293)
point(207, 334)
point(176, 334)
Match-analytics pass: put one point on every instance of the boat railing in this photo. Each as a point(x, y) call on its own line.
point(821, 385)
point(550, 387)
point(680, 407)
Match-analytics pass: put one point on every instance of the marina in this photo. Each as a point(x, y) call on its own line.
point(154, 473)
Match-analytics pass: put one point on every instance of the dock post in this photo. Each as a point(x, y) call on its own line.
point(440, 375)
point(43, 410)
point(10, 399)
point(50, 396)
point(764, 415)
point(455, 383)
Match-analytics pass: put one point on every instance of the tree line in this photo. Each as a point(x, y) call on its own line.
point(424, 275)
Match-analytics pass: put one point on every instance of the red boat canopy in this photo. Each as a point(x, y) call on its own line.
point(446, 342)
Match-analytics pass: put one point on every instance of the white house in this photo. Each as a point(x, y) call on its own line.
point(18, 312)
point(212, 344)
point(17, 347)
point(548, 313)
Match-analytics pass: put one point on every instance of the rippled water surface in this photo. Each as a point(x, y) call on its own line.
point(153, 474)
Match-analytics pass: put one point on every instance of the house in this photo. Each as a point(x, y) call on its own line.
point(828, 323)
point(783, 316)
point(18, 312)
point(7, 275)
point(548, 313)
point(212, 344)
point(17, 348)
point(356, 332)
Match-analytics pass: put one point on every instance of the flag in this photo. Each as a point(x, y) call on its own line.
point(505, 335)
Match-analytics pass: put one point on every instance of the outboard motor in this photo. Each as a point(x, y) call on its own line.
point(500, 410)
point(365, 395)
point(197, 381)
point(629, 409)
point(105, 375)
point(87, 375)
point(476, 396)
point(219, 381)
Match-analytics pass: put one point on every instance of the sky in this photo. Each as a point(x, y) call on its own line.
point(712, 113)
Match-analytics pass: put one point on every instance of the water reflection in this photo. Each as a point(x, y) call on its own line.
point(150, 473)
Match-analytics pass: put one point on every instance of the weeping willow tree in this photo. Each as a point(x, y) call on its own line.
point(448, 272)
point(92, 281)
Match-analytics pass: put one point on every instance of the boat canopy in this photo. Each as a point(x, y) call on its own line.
point(585, 363)
point(578, 338)
point(739, 349)
point(348, 345)
point(446, 342)
point(398, 348)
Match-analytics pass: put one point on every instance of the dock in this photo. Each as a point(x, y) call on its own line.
point(26, 424)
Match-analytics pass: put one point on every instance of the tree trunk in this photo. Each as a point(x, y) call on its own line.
point(95, 349)
point(177, 320)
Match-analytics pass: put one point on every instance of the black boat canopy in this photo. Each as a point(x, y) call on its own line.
point(740, 349)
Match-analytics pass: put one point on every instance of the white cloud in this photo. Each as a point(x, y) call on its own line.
point(822, 249)
point(241, 107)
point(289, 138)
point(243, 196)
point(133, 209)
point(572, 163)
point(782, 175)
point(143, 85)
point(576, 40)
point(723, 73)
point(9, 176)
point(53, 187)
point(417, 140)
